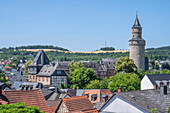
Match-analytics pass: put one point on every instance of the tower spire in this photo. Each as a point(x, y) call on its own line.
point(136, 24)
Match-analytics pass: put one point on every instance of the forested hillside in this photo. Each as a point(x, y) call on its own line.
point(162, 53)
point(37, 47)
point(166, 48)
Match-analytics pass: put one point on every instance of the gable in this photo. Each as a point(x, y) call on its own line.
point(120, 105)
point(62, 108)
point(146, 83)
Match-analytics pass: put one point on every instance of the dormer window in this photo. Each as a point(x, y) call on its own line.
point(87, 95)
point(105, 97)
point(94, 97)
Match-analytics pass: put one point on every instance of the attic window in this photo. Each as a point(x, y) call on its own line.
point(48, 71)
point(94, 97)
point(87, 95)
point(105, 97)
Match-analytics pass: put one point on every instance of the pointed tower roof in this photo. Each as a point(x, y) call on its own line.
point(40, 59)
point(136, 24)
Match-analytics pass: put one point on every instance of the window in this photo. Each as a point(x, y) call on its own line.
point(105, 97)
point(30, 77)
point(39, 78)
point(94, 97)
point(62, 80)
point(42, 78)
point(47, 79)
point(87, 95)
point(33, 77)
point(58, 72)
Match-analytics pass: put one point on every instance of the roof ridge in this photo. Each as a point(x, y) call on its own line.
point(21, 90)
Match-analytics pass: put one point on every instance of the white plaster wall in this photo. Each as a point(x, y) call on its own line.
point(146, 83)
point(118, 104)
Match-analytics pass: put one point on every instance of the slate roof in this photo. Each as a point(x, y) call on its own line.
point(53, 104)
point(77, 103)
point(136, 23)
point(62, 65)
point(47, 70)
point(46, 92)
point(3, 85)
point(89, 64)
point(107, 63)
point(98, 105)
point(158, 77)
point(79, 92)
point(17, 85)
point(148, 99)
point(29, 97)
point(17, 77)
point(38, 59)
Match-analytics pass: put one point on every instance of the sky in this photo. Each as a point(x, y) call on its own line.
point(83, 25)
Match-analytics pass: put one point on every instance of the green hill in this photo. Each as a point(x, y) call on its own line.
point(166, 48)
point(39, 47)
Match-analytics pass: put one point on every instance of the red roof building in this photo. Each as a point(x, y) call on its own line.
point(75, 105)
point(29, 97)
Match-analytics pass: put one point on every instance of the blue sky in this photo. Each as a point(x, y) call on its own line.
point(83, 25)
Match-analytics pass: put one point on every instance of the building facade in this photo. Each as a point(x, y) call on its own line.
point(137, 46)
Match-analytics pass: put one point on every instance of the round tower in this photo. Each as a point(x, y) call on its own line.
point(137, 46)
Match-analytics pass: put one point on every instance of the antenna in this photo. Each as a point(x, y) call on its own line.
point(136, 13)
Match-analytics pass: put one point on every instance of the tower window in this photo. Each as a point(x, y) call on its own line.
point(133, 35)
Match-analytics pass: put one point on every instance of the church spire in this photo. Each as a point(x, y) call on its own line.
point(136, 24)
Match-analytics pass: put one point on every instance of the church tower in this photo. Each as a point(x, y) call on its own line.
point(137, 46)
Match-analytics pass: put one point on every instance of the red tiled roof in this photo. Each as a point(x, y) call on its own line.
point(3, 99)
point(29, 97)
point(91, 111)
point(77, 103)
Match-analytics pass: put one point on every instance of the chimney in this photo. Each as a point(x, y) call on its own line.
point(119, 89)
point(154, 86)
point(163, 89)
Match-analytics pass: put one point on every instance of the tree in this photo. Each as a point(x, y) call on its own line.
point(26, 66)
point(19, 107)
point(10, 65)
point(107, 48)
point(63, 86)
point(2, 78)
point(72, 67)
point(82, 76)
point(165, 66)
point(75, 65)
point(125, 64)
point(104, 83)
point(94, 84)
point(127, 81)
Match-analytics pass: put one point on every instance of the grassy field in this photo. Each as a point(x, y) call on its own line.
point(100, 51)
